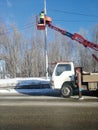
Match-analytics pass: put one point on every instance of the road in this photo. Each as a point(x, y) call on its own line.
point(38, 112)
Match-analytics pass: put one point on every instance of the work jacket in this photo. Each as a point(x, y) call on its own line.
point(42, 15)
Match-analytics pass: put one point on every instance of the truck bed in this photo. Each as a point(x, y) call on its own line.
point(92, 77)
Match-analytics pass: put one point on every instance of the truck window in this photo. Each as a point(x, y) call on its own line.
point(62, 67)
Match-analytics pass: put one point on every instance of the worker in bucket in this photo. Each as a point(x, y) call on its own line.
point(42, 15)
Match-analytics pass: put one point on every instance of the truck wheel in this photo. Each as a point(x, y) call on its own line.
point(66, 90)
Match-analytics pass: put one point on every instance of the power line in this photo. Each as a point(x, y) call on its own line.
point(24, 27)
point(73, 13)
point(73, 20)
point(31, 25)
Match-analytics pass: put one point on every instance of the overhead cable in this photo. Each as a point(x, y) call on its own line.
point(74, 13)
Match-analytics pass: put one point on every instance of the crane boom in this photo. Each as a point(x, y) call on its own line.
point(77, 37)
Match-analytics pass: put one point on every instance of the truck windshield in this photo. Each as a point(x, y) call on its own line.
point(62, 67)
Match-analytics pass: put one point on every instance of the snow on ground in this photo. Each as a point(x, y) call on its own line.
point(23, 82)
point(34, 86)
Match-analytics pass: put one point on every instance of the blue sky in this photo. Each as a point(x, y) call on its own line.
point(21, 11)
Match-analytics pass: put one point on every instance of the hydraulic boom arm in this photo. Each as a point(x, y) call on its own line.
point(78, 38)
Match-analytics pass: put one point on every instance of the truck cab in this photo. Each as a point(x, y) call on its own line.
point(63, 78)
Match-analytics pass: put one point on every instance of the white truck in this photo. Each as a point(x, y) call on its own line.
point(65, 78)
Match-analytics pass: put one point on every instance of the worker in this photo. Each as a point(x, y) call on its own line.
point(42, 15)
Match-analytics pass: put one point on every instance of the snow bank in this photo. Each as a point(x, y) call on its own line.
point(23, 82)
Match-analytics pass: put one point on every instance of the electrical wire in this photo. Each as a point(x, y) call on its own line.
point(73, 13)
point(31, 23)
point(22, 28)
point(73, 20)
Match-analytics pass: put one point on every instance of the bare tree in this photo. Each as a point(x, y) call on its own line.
point(24, 54)
point(95, 40)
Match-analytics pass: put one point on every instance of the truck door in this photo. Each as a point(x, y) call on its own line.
point(63, 72)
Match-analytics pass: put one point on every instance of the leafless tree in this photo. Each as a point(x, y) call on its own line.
point(24, 53)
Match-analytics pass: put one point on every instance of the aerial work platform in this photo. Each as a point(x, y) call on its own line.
point(42, 26)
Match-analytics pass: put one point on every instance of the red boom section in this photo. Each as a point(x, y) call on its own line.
point(78, 38)
point(84, 42)
point(94, 56)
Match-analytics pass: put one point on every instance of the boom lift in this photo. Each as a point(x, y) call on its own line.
point(77, 37)
point(65, 76)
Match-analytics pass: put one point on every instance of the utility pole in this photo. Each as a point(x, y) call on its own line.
point(46, 47)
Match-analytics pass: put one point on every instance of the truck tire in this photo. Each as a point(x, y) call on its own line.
point(66, 90)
